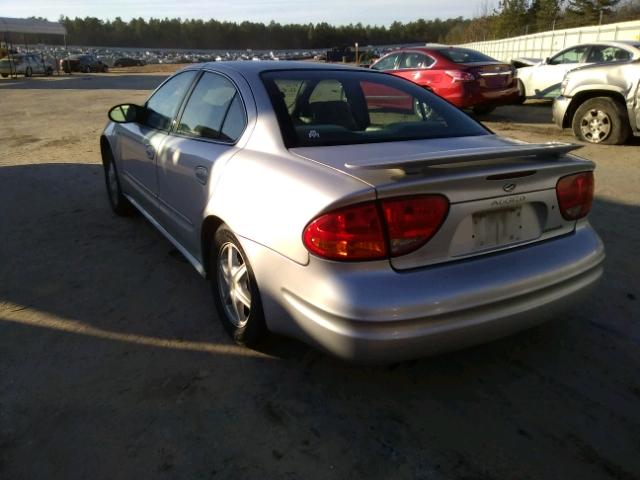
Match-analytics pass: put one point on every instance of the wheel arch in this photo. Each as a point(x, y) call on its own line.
point(207, 231)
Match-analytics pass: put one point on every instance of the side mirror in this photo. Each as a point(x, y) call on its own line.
point(126, 113)
point(546, 61)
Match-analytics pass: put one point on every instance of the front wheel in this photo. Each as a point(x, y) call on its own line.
point(119, 203)
point(601, 120)
point(235, 290)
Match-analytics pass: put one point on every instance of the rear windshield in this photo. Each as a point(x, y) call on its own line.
point(340, 107)
point(464, 55)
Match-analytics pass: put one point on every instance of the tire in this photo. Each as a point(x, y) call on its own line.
point(523, 93)
point(119, 203)
point(601, 120)
point(5, 75)
point(28, 72)
point(230, 273)
point(483, 109)
point(49, 72)
point(87, 69)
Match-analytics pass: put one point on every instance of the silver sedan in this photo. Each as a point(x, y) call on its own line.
point(353, 209)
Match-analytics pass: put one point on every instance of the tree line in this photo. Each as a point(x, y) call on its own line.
point(509, 18)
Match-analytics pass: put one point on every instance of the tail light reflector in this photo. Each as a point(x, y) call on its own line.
point(376, 230)
point(412, 221)
point(575, 195)
point(461, 76)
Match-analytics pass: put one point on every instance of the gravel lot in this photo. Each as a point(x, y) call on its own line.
point(113, 365)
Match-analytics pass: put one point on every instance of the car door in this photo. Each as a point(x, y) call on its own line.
point(139, 142)
point(211, 121)
point(547, 77)
point(414, 66)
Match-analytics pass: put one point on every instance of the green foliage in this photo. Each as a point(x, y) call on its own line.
point(213, 34)
point(510, 18)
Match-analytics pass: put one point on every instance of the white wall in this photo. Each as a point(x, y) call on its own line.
point(544, 44)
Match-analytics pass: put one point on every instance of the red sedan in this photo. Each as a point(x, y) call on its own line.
point(464, 77)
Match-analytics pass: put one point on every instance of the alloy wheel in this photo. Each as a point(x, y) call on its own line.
point(233, 284)
point(595, 126)
point(112, 179)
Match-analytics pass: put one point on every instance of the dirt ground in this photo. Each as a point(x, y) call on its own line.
point(114, 366)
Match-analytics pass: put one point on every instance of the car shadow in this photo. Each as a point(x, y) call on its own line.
point(80, 81)
point(110, 349)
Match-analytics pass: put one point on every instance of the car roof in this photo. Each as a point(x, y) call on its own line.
point(257, 67)
point(615, 43)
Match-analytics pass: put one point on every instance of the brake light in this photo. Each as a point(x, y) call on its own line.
point(412, 221)
point(461, 76)
point(575, 195)
point(352, 233)
point(376, 230)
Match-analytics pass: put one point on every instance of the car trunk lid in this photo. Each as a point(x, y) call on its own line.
point(501, 192)
point(492, 74)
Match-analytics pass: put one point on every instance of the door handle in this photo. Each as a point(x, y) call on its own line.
point(150, 151)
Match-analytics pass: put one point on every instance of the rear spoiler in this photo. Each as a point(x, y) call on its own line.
point(444, 157)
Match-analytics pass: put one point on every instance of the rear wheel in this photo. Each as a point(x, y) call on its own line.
point(235, 290)
point(601, 120)
point(119, 203)
point(5, 75)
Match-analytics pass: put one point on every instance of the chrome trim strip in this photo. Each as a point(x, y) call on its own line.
point(192, 260)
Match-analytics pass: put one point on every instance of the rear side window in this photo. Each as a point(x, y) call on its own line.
point(606, 54)
point(213, 103)
point(234, 122)
point(341, 107)
point(163, 105)
point(415, 60)
point(464, 55)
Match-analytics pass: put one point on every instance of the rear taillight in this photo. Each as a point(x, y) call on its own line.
point(575, 195)
point(461, 76)
point(376, 230)
point(412, 221)
point(352, 233)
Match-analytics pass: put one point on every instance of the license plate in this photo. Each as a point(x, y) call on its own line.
point(497, 228)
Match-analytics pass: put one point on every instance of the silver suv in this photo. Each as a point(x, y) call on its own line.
point(601, 102)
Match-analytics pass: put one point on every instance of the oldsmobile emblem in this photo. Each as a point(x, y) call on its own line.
point(509, 187)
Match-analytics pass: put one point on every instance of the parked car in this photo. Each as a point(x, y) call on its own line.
point(601, 102)
point(24, 64)
point(82, 63)
point(464, 77)
point(128, 62)
point(375, 234)
point(543, 79)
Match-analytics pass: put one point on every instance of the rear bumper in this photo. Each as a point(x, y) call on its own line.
point(472, 96)
point(559, 110)
point(369, 312)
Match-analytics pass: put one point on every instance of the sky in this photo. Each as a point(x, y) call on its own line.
point(336, 12)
